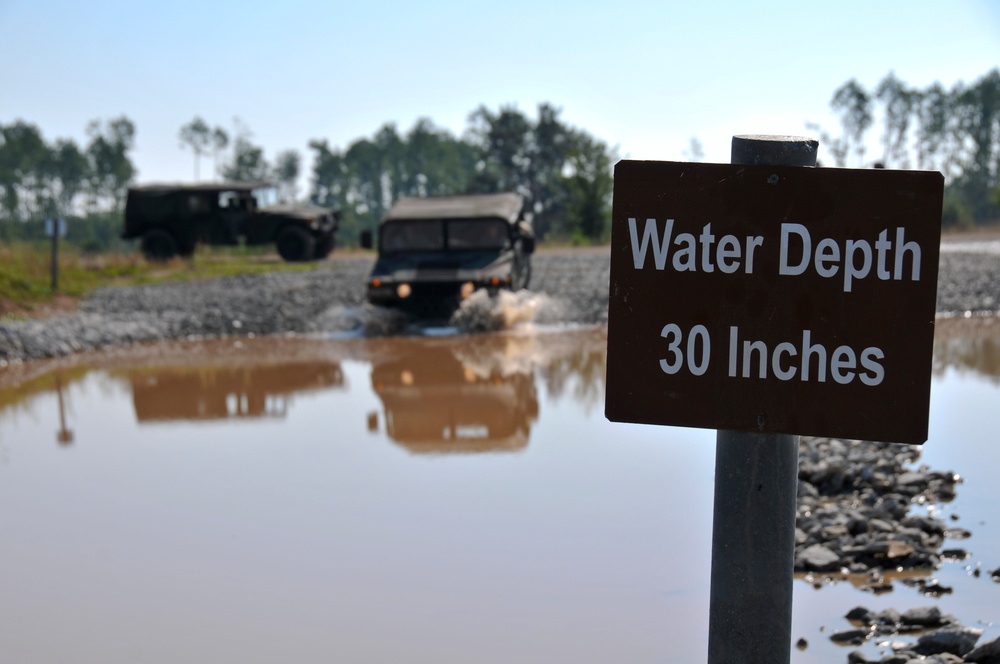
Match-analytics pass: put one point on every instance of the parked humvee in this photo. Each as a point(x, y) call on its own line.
point(434, 252)
point(171, 219)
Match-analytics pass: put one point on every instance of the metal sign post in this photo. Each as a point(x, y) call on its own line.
point(766, 300)
point(753, 523)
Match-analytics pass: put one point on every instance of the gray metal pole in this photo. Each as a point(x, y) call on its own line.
point(756, 477)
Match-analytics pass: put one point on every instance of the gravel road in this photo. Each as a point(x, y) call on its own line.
point(568, 285)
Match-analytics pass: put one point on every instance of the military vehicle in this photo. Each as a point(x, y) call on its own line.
point(171, 219)
point(434, 252)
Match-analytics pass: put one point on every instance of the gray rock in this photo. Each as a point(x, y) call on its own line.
point(928, 616)
point(943, 658)
point(955, 640)
point(898, 658)
point(854, 637)
point(862, 616)
point(986, 653)
point(818, 558)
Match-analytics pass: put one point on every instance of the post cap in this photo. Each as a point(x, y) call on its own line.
point(774, 150)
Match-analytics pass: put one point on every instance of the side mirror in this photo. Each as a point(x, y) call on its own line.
point(366, 240)
point(528, 242)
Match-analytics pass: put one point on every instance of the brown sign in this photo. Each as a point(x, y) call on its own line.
point(773, 299)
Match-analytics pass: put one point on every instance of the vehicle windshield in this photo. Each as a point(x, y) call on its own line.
point(422, 235)
point(430, 234)
point(477, 234)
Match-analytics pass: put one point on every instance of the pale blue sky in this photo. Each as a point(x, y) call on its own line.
point(643, 76)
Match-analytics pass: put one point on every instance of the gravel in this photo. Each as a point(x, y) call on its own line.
point(568, 286)
point(968, 282)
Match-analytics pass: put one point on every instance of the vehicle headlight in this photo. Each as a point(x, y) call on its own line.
point(467, 289)
point(403, 291)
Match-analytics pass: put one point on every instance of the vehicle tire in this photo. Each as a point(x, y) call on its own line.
point(158, 245)
point(186, 248)
point(295, 244)
point(525, 276)
point(324, 246)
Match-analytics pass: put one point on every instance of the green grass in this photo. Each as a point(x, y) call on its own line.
point(26, 273)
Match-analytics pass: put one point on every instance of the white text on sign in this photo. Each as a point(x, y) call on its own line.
point(888, 259)
point(807, 361)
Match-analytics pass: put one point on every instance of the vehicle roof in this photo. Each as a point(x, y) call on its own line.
point(506, 206)
point(169, 187)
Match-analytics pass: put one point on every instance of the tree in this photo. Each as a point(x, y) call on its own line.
point(23, 154)
point(933, 110)
point(66, 171)
point(898, 102)
point(550, 146)
point(436, 163)
point(109, 165)
point(286, 171)
point(976, 127)
point(198, 136)
point(329, 178)
point(247, 163)
point(853, 103)
point(590, 185)
point(559, 170)
point(837, 147)
point(535, 159)
point(220, 141)
point(955, 131)
point(502, 140)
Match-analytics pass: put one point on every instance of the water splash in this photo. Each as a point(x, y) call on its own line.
point(481, 312)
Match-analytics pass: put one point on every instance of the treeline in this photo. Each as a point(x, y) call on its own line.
point(564, 173)
point(955, 131)
point(40, 180)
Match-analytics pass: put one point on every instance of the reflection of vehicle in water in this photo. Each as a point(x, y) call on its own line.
point(435, 402)
point(207, 393)
point(434, 252)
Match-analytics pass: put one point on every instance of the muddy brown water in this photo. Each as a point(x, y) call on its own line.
point(420, 499)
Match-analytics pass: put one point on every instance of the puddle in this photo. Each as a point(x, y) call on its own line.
point(436, 497)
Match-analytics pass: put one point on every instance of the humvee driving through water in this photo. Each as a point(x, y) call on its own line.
point(434, 252)
point(171, 219)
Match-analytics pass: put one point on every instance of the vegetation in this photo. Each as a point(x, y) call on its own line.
point(564, 173)
point(956, 132)
point(26, 273)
